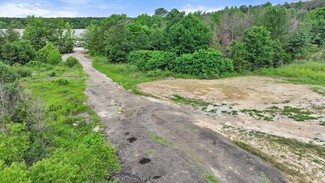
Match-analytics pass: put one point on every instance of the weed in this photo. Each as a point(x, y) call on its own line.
point(62, 81)
point(149, 152)
point(159, 139)
point(210, 178)
point(297, 114)
point(320, 90)
point(322, 123)
point(193, 102)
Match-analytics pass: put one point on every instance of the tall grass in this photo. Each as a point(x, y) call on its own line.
point(307, 72)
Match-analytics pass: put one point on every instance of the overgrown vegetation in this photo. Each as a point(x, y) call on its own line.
point(129, 75)
point(46, 139)
point(211, 45)
point(307, 72)
point(46, 128)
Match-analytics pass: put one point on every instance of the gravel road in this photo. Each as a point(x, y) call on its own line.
point(158, 142)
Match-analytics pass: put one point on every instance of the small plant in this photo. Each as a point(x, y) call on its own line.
point(72, 62)
point(7, 74)
point(54, 57)
point(159, 139)
point(23, 72)
point(210, 178)
point(52, 74)
point(62, 81)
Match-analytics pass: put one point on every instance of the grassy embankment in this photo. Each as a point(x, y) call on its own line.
point(73, 151)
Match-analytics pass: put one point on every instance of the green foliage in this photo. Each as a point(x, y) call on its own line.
point(298, 42)
point(258, 45)
point(276, 20)
point(20, 52)
point(56, 143)
point(49, 54)
point(72, 62)
point(206, 63)
point(317, 19)
point(23, 71)
point(300, 72)
point(16, 172)
point(7, 74)
point(189, 35)
point(239, 56)
point(13, 143)
point(66, 42)
point(150, 60)
point(39, 32)
point(117, 45)
point(128, 75)
point(54, 57)
point(88, 162)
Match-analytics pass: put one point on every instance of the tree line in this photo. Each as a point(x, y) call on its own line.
point(233, 39)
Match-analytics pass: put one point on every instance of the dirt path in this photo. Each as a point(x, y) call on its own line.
point(158, 142)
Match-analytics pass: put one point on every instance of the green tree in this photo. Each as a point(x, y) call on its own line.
point(258, 45)
point(276, 20)
point(317, 19)
point(239, 55)
point(189, 35)
point(36, 33)
point(117, 43)
point(20, 52)
point(161, 12)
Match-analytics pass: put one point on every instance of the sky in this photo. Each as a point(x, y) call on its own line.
point(104, 8)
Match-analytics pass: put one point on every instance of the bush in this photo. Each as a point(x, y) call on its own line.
point(151, 60)
point(206, 63)
point(72, 61)
point(7, 74)
point(259, 47)
point(62, 81)
point(18, 52)
point(49, 54)
point(23, 72)
point(54, 57)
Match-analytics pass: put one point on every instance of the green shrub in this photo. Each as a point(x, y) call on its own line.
point(49, 54)
point(259, 47)
point(18, 52)
point(206, 63)
point(72, 61)
point(62, 81)
point(23, 72)
point(151, 60)
point(54, 57)
point(7, 74)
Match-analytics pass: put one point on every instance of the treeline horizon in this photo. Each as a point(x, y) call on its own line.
point(83, 22)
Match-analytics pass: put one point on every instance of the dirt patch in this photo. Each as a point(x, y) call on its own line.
point(184, 152)
point(248, 94)
point(264, 113)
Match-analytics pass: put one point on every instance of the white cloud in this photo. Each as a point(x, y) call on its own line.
point(25, 9)
point(189, 8)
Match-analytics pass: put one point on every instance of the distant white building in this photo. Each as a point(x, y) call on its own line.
point(77, 32)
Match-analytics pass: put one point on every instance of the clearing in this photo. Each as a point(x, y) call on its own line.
point(159, 142)
point(282, 123)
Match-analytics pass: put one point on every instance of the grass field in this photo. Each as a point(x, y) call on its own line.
point(308, 72)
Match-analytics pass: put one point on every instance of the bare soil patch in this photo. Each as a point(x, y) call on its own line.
point(261, 112)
